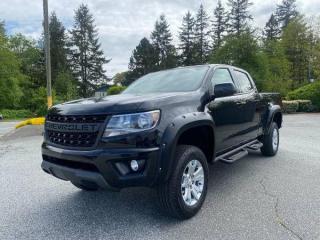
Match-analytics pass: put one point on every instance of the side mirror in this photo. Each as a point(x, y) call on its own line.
point(224, 90)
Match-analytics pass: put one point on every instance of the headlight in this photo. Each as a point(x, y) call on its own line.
point(128, 123)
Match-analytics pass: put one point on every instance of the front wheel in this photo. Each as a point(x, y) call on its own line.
point(184, 193)
point(271, 141)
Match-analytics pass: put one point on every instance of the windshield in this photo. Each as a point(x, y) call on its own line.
point(175, 80)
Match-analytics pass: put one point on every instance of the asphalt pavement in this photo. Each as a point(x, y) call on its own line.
point(255, 198)
point(7, 127)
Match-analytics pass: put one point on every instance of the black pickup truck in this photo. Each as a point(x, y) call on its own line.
point(162, 132)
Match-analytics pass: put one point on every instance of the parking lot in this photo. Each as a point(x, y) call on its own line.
point(255, 198)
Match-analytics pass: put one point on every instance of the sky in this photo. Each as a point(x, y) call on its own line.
point(122, 24)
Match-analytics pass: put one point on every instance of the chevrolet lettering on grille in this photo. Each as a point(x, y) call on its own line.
point(72, 127)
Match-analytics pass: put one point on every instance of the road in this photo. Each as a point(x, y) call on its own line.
point(255, 198)
point(6, 127)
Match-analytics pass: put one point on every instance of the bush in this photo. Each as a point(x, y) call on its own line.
point(115, 90)
point(39, 101)
point(290, 106)
point(305, 106)
point(15, 114)
point(65, 87)
point(308, 92)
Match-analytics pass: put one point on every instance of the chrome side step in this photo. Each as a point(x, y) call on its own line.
point(240, 152)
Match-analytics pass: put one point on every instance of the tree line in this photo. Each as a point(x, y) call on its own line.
point(76, 58)
point(282, 57)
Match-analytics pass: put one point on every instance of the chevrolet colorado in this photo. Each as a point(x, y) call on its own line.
point(162, 132)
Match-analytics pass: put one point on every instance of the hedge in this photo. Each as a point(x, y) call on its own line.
point(308, 92)
point(290, 106)
point(305, 106)
point(298, 106)
point(15, 114)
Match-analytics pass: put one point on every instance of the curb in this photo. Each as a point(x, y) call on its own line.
point(31, 121)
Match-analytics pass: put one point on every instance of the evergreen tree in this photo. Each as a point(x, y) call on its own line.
point(219, 25)
point(2, 30)
point(286, 11)
point(87, 58)
point(272, 30)
point(57, 46)
point(202, 44)
point(162, 42)
point(143, 60)
point(186, 37)
point(239, 16)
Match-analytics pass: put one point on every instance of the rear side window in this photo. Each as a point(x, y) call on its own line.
point(221, 75)
point(243, 82)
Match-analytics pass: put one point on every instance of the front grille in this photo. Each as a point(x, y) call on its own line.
point(74, 138)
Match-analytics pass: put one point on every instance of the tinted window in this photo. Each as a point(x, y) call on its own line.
point(221, 75)
point(243, 82)
point(175, 80)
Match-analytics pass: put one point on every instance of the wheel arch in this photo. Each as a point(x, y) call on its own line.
point(274, 114)
point(186, 129)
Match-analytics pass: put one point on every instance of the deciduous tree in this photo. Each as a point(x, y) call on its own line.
point(10, 75)
point(296, 44)
point(242, 51)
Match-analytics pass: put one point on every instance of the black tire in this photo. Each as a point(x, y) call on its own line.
point(268, 148)
point(170, 193)
point(85, 187)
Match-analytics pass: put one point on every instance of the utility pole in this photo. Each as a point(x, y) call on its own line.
point(47, 50)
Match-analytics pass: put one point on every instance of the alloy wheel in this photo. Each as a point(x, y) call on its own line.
point(192, 182)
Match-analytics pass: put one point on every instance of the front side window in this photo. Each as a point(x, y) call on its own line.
point(175, 80)
point(243, 82)
point(221, 75)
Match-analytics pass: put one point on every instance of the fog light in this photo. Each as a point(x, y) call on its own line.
point(134, 165)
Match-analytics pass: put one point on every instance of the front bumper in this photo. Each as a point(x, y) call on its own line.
point(105, 168)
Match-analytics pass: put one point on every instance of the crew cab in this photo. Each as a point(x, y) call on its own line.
point(162, 132)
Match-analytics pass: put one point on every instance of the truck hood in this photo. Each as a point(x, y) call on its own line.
point(122, 103)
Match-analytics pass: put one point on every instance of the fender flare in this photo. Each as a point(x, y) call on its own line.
point(271, 112)
point(172, 134)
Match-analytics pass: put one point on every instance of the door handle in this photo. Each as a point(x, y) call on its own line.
point(241, 103)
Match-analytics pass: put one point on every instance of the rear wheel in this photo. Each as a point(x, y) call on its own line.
point(85, 187)
point(271, 141)
point(184, 193)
